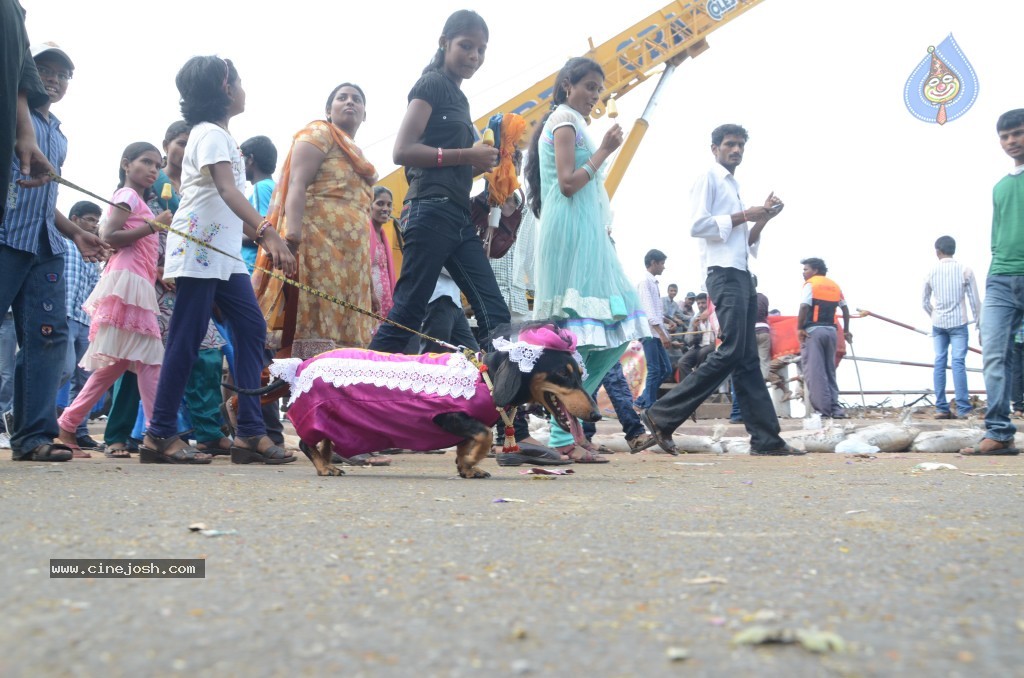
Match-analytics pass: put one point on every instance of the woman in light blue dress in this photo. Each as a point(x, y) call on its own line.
point(580, 283)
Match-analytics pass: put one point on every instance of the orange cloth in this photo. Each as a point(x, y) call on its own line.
point(504, 180)
point(335, 252)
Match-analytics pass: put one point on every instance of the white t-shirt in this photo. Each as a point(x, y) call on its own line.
point(203, 213)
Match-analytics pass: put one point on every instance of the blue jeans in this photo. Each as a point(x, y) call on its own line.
point(33, 285)
point(617, 388)
point(439, 233)
point(78, 344)
point(944, 339)
point(1000, 317)
point(8, 352)
point(658, 369)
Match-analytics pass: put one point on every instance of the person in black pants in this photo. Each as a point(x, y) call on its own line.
point(720, 220)
point(435, 143)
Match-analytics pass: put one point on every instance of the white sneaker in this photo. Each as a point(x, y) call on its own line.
point(5, 441)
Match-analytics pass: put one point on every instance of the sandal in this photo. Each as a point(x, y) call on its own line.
point(641, 442)
point(1006, 449)
point(215, 447)
point(369, 459)
point(248, 452)
point(158, 454)
point(588, 456)
point(117, 451)
point(48, 452)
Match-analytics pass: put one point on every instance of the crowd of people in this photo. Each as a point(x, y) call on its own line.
point(167, 289)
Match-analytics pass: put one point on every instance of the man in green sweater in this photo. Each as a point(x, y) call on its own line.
point(1004, 290)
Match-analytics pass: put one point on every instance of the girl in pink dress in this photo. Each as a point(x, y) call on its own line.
point(383, 274)
point(123, 332)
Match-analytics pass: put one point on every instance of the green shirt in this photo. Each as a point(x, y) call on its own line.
point(1008, 226)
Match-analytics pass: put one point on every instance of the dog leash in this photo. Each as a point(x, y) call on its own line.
point(468, 353)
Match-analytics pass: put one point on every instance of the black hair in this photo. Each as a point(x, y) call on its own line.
point(263, 153)
point(574, 70)
point(334, 92)
point(130, 153)
point(722, 131)
point(377, 190)
point(83, 208)
point(176, 129)
point(701, 295)
point(947, 245)
point(671, 285)
point(1010, 120)
point(201, 86)
point(816, 264)
point(653, 256)
point(462, 22)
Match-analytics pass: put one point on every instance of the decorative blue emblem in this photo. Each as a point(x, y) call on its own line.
point(943, 86)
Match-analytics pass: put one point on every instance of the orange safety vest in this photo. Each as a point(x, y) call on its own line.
point(825, 298)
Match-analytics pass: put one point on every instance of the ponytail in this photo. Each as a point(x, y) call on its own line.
point(437, 63)
point(532, 172)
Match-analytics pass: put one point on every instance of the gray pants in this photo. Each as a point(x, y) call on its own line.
point(818, 362)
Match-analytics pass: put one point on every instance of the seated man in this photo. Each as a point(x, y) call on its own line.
point(701, 345)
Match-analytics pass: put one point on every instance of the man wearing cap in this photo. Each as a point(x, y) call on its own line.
point(32, 259)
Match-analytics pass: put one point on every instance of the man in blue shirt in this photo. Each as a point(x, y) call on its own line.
point(32, 259)
point(260, 156)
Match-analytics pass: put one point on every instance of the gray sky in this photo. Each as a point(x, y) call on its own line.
point(867, 187)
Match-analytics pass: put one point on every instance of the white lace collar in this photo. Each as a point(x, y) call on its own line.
point(526, 355)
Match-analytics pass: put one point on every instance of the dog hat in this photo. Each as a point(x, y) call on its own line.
point(534, 341)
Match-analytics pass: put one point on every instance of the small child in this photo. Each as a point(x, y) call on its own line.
point(123, 332)
point(213, 210)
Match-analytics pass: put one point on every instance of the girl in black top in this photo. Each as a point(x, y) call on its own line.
point(435, 144)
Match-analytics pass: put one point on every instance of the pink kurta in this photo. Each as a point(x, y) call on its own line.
point(365, 401)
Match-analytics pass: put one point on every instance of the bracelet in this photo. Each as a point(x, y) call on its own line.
point(440, 156)
point(586, 168)
point(264, 225)
point(745, 219)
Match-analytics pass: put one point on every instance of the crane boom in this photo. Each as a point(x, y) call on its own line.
point(669, 35)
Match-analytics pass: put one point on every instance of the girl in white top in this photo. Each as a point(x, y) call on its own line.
point(213, 211)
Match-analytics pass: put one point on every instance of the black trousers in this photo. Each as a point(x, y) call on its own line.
point(736, 305)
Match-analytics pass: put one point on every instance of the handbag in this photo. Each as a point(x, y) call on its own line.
point(497, 241)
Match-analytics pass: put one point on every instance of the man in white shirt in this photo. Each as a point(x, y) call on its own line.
point(721, 223)
point(947, 284)
point(655, 347)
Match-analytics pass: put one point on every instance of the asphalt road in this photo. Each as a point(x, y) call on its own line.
point(612, 571)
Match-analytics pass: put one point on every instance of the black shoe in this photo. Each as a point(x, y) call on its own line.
point(87, 443)
point(736, 421)
point(664, 442)
point(784, 451)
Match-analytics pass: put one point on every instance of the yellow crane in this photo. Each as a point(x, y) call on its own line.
point(659, 42)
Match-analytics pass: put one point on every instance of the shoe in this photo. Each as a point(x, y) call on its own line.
point(784, 451)
point(943, 415)
point(47, 452)
point(664, 442)
point(736, 421)
point(839, 415)
point(5, 441)
point(641, 442)
point(9, 422)
point(86, 442)
point(248, 452)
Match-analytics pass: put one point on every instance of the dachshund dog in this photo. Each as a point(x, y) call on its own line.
point(354, 401)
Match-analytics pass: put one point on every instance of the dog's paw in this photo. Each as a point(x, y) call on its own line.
point(475, 473)
point(330, 470)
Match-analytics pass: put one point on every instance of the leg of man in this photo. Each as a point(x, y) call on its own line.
point(617, 388)
point(941, 340)
point(432, 231)
point(736, 306)
point(42, 330)
point(473, 274)
point(688, 363)
point(438, 322)
point(462, 333)
point(8, 353)
point(817, 355)
point(658, 369)
point(958, 349)
point(764, 352)
point(1016, 380)
point(1002, 312)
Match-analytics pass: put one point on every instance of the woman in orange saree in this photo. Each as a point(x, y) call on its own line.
point(321, 207)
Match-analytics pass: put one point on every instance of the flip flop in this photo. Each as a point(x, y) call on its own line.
point(117, 451)
point(77, 452)
point(976, 451)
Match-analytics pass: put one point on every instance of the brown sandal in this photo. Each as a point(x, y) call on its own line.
point(248, 452)
point(158, 454)
point(215, 447)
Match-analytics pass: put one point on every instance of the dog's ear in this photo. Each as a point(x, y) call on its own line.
point(506, 377)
